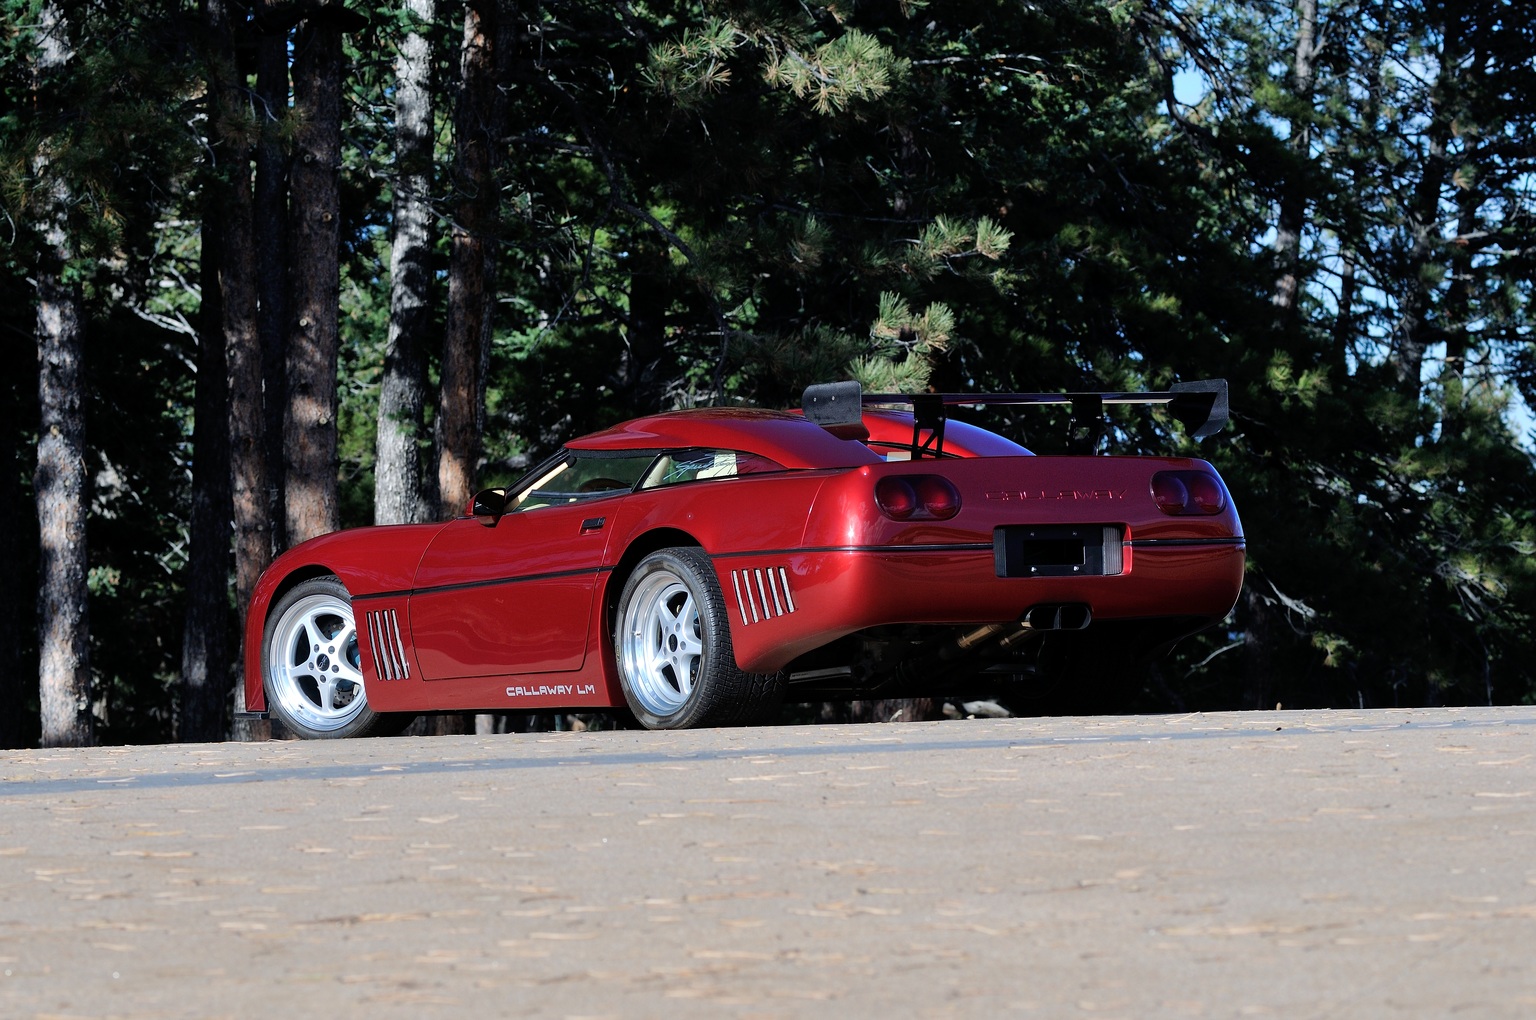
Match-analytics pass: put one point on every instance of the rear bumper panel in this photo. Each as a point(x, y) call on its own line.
point(785, 604)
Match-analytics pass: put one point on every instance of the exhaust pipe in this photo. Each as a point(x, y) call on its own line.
point(1057, 616)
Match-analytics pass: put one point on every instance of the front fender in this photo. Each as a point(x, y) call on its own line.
point(369, 561)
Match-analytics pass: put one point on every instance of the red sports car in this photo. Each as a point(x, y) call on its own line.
point(698, 567)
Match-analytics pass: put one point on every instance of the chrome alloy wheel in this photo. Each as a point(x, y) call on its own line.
point(662, 643)
point(313, 664)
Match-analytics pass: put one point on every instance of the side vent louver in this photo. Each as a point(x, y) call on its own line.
point(389, 661)
point(762, 593)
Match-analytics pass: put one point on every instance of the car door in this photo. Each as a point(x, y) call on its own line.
point(514, 594)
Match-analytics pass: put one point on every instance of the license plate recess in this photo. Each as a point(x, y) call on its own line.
point(1057, 550)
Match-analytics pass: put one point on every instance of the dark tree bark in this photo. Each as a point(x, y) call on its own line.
point(641, 374)
point(269, 265)
point(228, 306)
point(398, 476)
point(466, 346)
point(314, 214)
point(205, 630)
point(59, 485)
point(253, 276)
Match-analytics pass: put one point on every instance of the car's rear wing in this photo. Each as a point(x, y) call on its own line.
point(1200, 406)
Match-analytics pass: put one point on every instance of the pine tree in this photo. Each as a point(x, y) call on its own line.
point(59, 486)
point(398, 471)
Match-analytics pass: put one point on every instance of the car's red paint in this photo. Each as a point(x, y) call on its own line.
point(779, 435)
point(519, 616)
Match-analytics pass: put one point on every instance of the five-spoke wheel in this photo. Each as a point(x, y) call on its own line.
point(672, 642)
point(311, 665)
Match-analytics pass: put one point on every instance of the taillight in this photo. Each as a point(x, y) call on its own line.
point(938, 496)
point(896, 498)
point(1170, 492)
point(1186, 493)
point(917, 497)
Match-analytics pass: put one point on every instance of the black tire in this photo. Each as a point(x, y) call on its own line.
point(672, 642)
point(311, 668)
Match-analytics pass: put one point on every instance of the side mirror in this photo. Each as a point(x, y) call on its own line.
point(488, 506)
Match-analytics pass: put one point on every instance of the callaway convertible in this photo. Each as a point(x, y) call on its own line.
point(699, 567)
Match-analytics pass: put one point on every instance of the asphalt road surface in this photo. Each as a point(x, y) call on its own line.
point(1295, 864)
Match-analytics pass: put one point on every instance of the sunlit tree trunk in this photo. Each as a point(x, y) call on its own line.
point(61, 493)
point(398, 477)
point(466, 347)
point(60, 485)
point(314, 217)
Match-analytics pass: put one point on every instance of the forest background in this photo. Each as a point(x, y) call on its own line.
point(271, 269)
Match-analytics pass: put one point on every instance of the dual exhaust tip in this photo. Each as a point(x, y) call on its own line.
point(1057, 616)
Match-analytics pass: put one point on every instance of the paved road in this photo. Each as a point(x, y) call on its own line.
point(1320, 864)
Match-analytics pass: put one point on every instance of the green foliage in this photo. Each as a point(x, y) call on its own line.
point(849, 69)
point(724, 202)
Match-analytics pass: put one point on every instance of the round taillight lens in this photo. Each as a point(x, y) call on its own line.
point(1206, 492)
point(1187, 493)
point(1170, 492)
point(938, 496)
point(896, 497)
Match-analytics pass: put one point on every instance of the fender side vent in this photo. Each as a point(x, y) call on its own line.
point(762, 593)
point(389, 661)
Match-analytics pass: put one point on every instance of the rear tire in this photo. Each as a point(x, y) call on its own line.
point(672, 641)
point(311, 668)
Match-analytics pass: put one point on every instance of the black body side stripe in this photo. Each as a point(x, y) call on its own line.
point(937, 547)
point(1143, 543)
point(492, 583)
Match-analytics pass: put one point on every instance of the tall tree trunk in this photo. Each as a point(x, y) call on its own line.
point(640, 376)
point(205, 649)
point(314, 211)
point(59, 486)
point(466, 348)
point(254, 283)
point(398, 495)
point(1294, 192)
point(1417, 330)
point(205, 628)
point(269, 264)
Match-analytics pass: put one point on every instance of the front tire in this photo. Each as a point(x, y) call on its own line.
point(311, 667)
point(672, 641)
